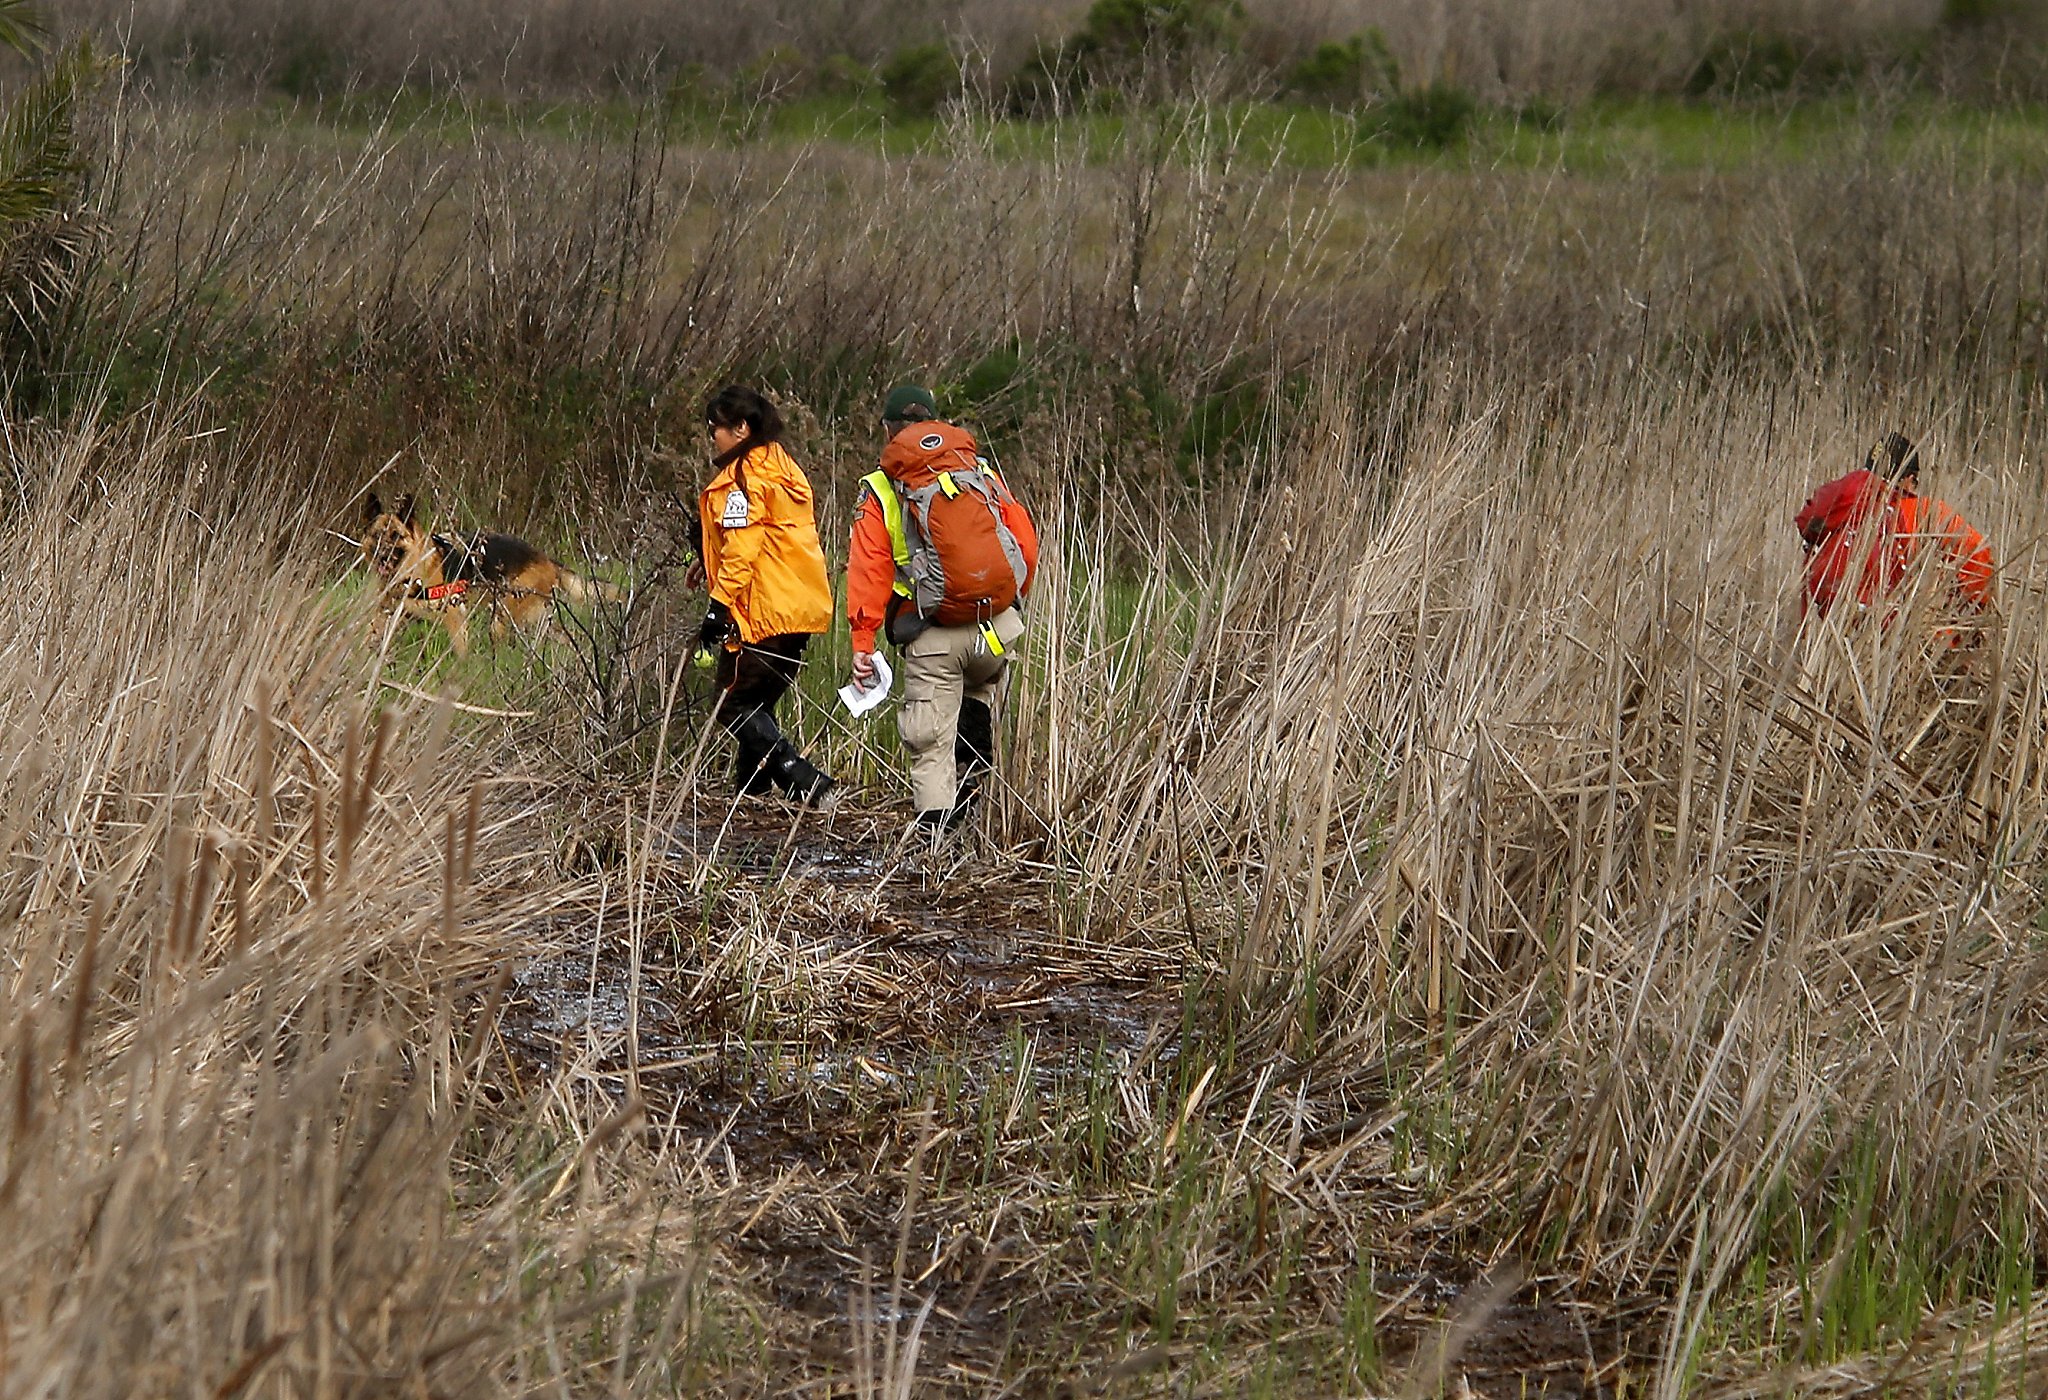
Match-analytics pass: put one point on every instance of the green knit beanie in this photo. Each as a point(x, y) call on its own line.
point(904, 400)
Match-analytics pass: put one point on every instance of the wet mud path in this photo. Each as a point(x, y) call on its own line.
point(813, 1018)
point(865, 1047)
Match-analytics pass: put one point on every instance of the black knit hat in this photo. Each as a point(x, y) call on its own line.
point(1894, 455)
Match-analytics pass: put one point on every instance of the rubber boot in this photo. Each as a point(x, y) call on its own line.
point(778, 763)
point(799, 778)
point(756, 737)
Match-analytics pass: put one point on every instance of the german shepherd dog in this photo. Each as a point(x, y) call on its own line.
point(442, 577)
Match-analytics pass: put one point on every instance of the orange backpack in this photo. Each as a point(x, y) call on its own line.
point(957, 563)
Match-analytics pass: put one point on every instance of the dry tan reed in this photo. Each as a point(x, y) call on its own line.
point(1429, 842)
point(524, 309)
point(240, 1104)
point(1514, 792)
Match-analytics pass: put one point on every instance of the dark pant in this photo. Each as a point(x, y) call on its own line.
point(751, 682)
point(974, 747)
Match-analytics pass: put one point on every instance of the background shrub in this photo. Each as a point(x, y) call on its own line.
point(1345, 74)
point(1047, 82)
point(1124, 43)
point(843, 75)
point(1431, 118)
point(1505, 53)
point(1756, 63)
point(782, 73)
point(1130, 28)
point(920, 79)
point(309, 68)
point(1974, 12)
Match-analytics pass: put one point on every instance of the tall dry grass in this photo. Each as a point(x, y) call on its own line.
point(1536, 873)
point(259, 1137)
point(1548, 895)
point(526, 308)
point(1506, 793)
point(1488, 775)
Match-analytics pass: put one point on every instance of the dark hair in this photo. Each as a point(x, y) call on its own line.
point(1895, 456)
point(737, 407)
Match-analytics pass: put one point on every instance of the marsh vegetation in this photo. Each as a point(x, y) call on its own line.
point(1444, 924)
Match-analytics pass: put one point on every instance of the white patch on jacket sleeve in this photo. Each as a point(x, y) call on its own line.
point(735, 510)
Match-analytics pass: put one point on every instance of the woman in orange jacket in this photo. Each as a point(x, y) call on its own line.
point(765, 571)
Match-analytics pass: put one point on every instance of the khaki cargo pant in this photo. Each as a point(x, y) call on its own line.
point(940, 668)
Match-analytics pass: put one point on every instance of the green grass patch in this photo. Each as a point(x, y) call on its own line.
point(1606, 135)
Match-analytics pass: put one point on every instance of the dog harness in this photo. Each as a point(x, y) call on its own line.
point(437, 592)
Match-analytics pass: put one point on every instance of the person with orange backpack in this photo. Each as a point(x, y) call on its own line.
point(1873, 523)
point(941, 561)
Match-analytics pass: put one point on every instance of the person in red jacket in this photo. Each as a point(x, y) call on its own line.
point(941, 560)
point(1864, 532)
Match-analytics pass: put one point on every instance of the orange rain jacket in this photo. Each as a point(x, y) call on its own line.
point(1892, 523)
point(871, 559)
point(761, 553)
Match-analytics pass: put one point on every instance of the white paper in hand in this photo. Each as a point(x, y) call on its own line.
point(859, 699)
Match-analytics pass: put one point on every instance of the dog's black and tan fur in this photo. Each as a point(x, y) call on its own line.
point(444, 578)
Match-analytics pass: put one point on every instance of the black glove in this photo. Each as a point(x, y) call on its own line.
point(717, 625)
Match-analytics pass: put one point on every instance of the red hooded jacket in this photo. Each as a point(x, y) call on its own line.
point(1887, 524)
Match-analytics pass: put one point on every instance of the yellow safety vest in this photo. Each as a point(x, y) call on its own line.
point(892, 516)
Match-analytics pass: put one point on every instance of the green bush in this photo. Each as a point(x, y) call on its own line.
point(1964, 13)
point(992, 375)
point(690, 92)
point(921, 79)
point(1332, 76)
point(1431, 118)
point(308, 69)
point(1049, 81)
point(778, 75)
point(843, 75)
point(1168, 28)
point(1006, 386)
point(1221, 420)
point(1119, 40)
point(1346, 74)
point(1757, 63)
